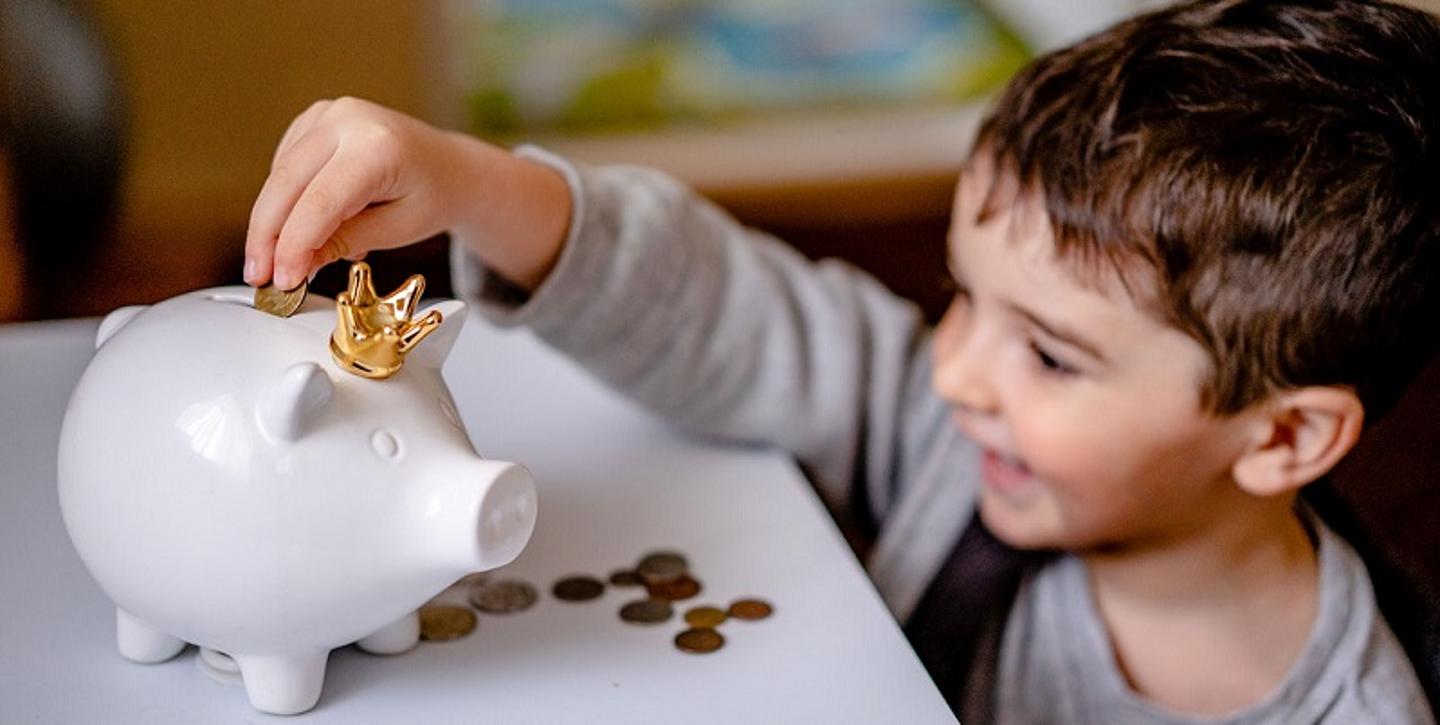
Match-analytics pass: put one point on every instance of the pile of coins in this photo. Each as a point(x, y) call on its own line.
point(664, 575)
point(703, 635)
point(667, 579)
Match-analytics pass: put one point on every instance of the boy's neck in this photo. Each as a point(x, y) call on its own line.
point(1210, 622)
point(1229, 556)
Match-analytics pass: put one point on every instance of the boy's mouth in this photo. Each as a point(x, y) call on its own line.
point(1007, 475)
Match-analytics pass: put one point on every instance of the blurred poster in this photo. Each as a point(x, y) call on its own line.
point(591, 65)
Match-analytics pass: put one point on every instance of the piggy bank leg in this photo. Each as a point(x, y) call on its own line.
point(140, 642)
point(398, 636)
point(283, 684)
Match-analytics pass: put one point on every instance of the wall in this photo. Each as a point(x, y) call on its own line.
point(211, 88)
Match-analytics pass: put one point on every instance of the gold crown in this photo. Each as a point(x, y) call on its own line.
point(374, 333)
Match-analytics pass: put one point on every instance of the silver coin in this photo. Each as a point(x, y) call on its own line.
point(647, 611)
point(472, 579)
point(503, 597)
point(662, 566)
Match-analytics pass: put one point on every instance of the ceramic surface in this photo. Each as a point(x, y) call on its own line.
point(228, 486)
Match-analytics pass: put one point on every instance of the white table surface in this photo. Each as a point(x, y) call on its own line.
point(613, 482)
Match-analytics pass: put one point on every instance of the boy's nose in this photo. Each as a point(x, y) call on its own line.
point(960, 381)
point(961, 373)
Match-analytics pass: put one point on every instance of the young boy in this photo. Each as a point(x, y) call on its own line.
point(1193, 253)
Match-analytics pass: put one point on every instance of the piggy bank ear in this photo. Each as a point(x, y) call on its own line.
point(116, 320)
point(432, 351)
point(291, 403)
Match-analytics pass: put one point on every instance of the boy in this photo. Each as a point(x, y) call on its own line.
point(1192, 252)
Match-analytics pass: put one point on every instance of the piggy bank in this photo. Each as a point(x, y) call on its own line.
point(228, 485)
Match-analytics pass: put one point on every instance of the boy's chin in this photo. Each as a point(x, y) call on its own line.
point(1025, 530)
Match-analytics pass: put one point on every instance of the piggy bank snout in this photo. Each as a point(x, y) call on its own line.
point(492, 521)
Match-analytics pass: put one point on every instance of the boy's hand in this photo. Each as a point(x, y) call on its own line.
point(349, 177)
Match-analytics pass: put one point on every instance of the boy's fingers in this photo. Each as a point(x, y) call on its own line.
point(288, 179)
point(342, 188)
point(298, 128)
point(377, 227)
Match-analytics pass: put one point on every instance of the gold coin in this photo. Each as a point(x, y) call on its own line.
point(578, 589)
point(751, 609)
point(705, 617)
point(440, 622)
point(701, 640)
point(647, 611)
point(625, 578)
point(662, 566)
point(503, 597)
point(280, 303)
point(683, 588)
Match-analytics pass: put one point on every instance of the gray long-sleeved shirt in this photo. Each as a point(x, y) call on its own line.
point(731, 334)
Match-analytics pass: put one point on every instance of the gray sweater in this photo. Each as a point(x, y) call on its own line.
point(732, 335)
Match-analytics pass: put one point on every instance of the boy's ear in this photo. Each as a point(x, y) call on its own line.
point(1299, 435)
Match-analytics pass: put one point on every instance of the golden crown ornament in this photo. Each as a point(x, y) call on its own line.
point(374, 333)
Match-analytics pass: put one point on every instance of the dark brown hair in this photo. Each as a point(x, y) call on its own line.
point(1270, 168)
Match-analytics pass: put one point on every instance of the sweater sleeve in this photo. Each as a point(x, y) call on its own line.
point(725, 331)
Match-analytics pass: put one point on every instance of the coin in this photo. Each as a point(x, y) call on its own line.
point(625, 578)
point(750, 609)
point(442, 622)
point(280, 303)
point(681, 588)
point(701, 640)
point(662, 566)
point(472, 579)
point(578, 589)
point(646, 611)
point(503, 597)
point(705, 617)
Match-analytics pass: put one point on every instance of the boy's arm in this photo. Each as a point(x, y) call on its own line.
point(725, 331)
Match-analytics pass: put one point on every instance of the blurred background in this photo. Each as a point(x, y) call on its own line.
point(134, 135)
point(137, 132)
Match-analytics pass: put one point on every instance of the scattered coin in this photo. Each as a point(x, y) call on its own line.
point(280, 303)
point(701, 640)
point(442, 622)
point(684, 587)
point(647, 611)
point(625, 578)
point(473, 579)
point(578, 589)
point(661, 566)
point(705, 617)
point(503, 597)
point(750, 609)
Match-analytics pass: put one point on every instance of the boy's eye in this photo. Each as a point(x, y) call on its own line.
point(1051, 363)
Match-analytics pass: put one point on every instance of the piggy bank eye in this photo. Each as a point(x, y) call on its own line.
point(386, 445)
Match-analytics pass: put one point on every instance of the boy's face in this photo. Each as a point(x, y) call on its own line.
point(1087, 408)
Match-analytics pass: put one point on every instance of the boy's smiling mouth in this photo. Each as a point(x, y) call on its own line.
point(1003, 473)
point(1007, 475)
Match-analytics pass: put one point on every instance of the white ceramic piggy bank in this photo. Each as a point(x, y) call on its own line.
point(229, 486)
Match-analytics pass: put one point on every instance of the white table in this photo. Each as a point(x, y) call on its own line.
point(614, 483)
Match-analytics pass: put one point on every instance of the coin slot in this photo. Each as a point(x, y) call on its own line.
point(233, 297)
